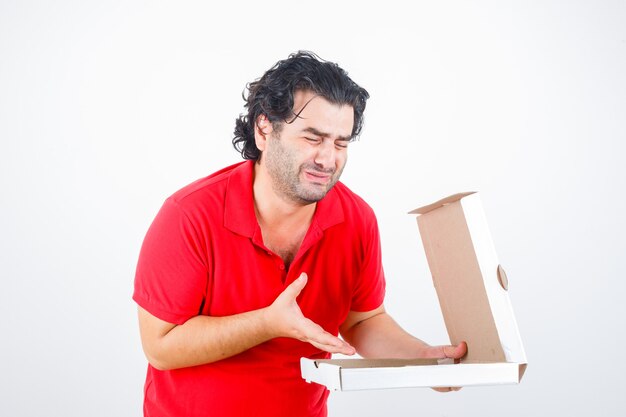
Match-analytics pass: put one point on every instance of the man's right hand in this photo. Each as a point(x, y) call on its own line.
point(285, 319)
point(205, 339)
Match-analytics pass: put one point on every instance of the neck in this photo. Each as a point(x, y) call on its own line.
point(283, 222)
point(273, 209)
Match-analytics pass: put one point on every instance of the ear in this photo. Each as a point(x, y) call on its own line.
point(262, 129)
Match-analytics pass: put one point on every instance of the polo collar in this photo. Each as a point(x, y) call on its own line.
point(239, 215)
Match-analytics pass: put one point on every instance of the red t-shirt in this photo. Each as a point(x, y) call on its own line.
point(204, 254)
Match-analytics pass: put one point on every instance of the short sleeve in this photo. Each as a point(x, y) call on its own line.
point(369, 292)
point(171, 276)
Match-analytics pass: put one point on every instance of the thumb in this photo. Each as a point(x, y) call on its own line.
point(294, 289)
point(447, 351)
point(455, 352)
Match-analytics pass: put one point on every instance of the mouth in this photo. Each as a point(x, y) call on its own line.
point(317, 177)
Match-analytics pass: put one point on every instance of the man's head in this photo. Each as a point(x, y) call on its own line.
point(305, 159)
point(272, 96)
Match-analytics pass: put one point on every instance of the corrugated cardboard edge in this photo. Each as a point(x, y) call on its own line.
point(442, 202)
point(321, 373)
point(522, 370)
point(376, 363)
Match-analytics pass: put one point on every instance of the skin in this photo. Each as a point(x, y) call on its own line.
point(299, 164)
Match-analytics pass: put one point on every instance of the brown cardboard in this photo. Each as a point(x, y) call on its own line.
point(471, 285)
point(472, 288)
point(377, 363)
point(457, 279)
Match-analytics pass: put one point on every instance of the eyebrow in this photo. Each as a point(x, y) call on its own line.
point(325, 135)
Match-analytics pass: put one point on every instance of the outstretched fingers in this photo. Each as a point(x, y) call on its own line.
point(286, 320)
point(321, 339)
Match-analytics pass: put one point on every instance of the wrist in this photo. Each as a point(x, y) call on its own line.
point(266, 324)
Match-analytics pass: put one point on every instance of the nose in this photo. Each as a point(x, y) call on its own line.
point(325, 156)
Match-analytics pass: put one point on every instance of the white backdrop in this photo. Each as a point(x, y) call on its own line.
point(106, 108)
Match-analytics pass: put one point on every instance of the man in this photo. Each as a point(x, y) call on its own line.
point(266, 261)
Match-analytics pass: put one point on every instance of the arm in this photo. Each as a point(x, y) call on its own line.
point(375, 334)
point(203, 339)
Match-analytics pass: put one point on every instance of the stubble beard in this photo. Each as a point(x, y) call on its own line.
point(286, 176)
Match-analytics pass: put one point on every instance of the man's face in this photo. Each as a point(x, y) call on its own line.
point(306, 158)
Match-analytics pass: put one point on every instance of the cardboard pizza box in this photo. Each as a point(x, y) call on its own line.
point(472, 288)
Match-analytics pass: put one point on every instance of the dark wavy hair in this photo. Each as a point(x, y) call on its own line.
point(273, 94)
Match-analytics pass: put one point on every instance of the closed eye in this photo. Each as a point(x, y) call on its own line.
point(313, 140)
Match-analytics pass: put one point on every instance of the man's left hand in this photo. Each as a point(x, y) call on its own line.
point(446, 352)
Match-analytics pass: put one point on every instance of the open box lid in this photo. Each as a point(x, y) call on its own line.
point(472, 289)
point(471, 285)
